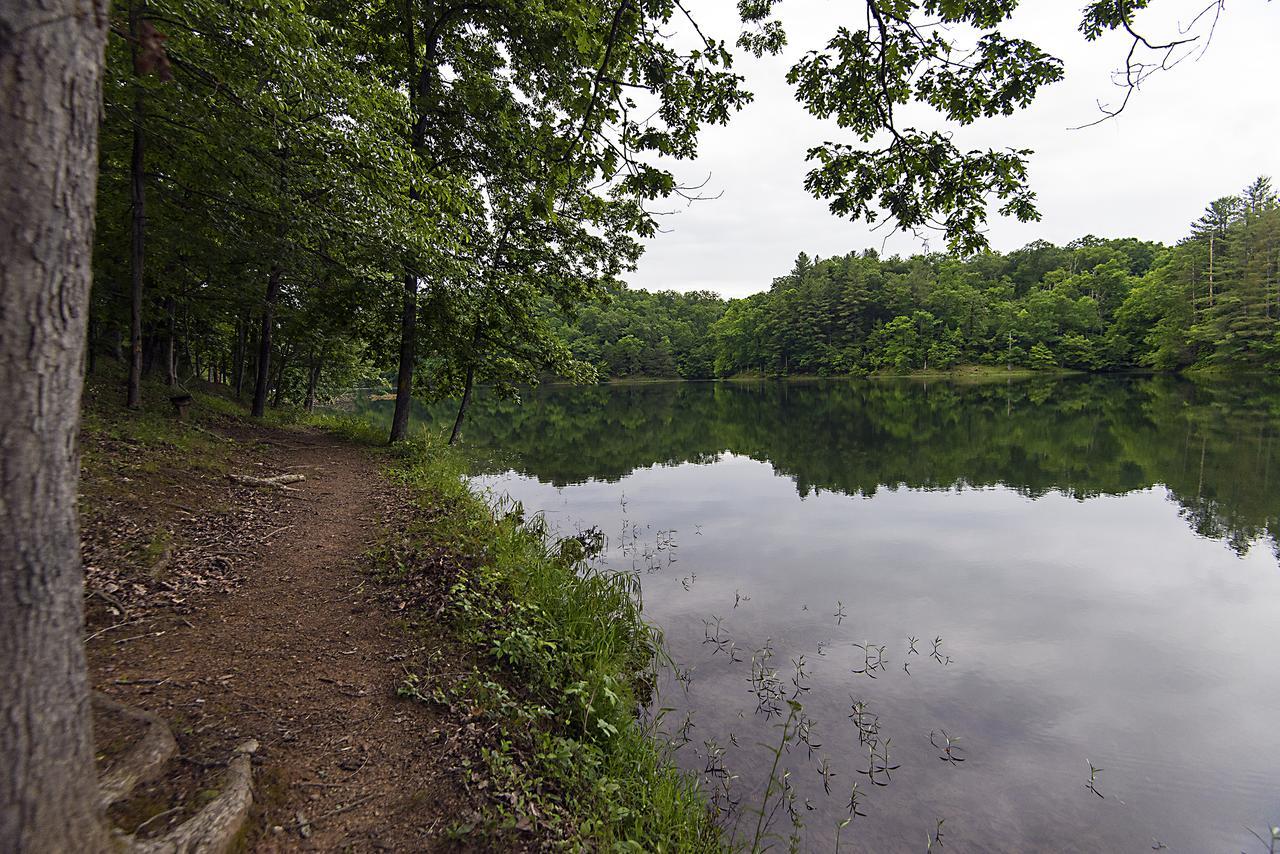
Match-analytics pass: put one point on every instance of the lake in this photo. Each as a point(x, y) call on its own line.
point(976, 593)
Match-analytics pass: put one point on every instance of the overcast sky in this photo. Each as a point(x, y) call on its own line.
point(1201, 131)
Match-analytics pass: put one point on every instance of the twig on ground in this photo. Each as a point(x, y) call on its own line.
point(111, 628)
point(344, 808)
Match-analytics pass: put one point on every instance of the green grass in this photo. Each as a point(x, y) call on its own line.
point(561, 659)
point(350, 428)
point(153, 433)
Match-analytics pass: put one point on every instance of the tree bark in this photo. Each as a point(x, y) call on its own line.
point(408, 347)
point(51, 60)
point(137, 194)
point(264, 344)
point(242, 327)
point(279, 383)
point(466, 387)
point(313, 379)
point(462, 407)
point(170, 348)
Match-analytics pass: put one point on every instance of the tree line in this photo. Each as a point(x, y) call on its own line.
point(1210, 301)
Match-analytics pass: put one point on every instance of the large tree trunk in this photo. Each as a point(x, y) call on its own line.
point(264, 344)
point(137, 193)
point(51, 58)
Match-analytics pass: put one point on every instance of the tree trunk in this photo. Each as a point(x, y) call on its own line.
point(1210, 271)
point(404, 377)
point(462, 407)
point(419, 78)
point(51, 59)
point(137, 193)
point(170, 348)
point(242, 327)
point(313, 379)
point(264, 344)
point(471, 375)
point(279, 383)
point(185, 342)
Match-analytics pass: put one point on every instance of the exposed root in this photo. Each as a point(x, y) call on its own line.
point(214, 829)
point(145, 759)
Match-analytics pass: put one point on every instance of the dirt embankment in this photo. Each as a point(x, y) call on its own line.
point(236, 612)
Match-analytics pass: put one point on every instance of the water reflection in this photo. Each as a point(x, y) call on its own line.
point(1212, 445)
point(1028, 577)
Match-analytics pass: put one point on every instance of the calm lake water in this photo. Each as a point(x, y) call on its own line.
point(1098, 558)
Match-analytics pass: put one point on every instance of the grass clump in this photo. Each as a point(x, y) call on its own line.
point(350, 428)
point(561, 663)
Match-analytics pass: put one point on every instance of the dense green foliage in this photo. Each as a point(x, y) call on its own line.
point(639, 334)
point(291, 191)
point(1211, 301)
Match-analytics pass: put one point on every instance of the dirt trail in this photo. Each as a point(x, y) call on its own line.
point(303, 656)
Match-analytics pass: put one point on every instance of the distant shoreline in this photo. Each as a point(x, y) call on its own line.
point(966, 372)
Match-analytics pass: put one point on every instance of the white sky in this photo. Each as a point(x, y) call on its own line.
point(1202, 130)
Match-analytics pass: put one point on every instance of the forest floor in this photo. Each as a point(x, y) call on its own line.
point(238, 612)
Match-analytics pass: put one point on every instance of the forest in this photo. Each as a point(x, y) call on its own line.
point(299, 196)
point(1210, 302)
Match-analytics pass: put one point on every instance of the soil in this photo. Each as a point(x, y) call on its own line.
point(250, 617)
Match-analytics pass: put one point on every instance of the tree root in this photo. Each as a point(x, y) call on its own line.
point(145, 759)
point(214, 829)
